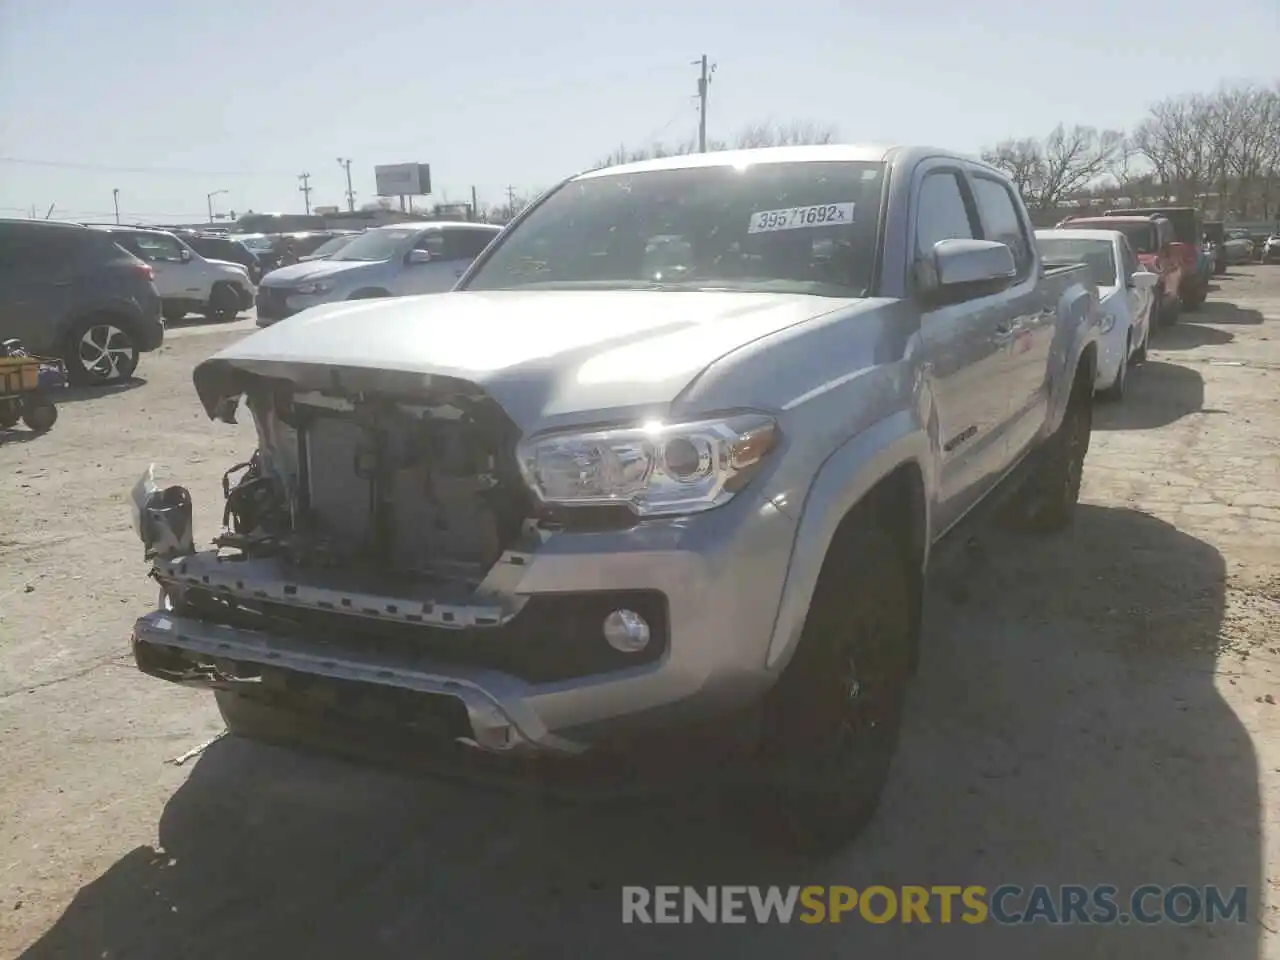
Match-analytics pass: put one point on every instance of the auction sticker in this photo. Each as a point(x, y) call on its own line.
point(801, 218)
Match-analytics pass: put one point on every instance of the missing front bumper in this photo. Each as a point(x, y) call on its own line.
point(213, 656)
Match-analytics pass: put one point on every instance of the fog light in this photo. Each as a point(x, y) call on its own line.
point(626, 631)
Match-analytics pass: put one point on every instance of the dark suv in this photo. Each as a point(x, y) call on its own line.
point(69, 291)
point(223, 248)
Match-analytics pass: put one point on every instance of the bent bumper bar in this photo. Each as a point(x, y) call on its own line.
point(497, 722)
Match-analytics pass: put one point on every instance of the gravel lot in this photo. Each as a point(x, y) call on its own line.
point(1090, 709)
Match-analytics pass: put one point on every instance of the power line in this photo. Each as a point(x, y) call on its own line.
point(107, 168)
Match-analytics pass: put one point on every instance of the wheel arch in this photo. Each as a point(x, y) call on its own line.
point(370, 293)
point(890, 482)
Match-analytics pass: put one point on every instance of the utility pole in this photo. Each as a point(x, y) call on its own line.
point(115, 200)
point(351, 194)
point(208, 198)
point(511, 200)
point(704, 81)
point(475, 207)
point(305, 190)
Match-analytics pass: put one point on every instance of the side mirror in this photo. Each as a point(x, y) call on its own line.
point(418, 256)
point(1142, 280)
point(964, 269)
point(185, 255)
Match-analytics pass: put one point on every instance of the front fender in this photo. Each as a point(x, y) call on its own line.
point(842, 481)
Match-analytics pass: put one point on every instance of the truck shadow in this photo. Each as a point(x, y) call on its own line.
point(1223, 311)
point(1158, 394)
point(1064, 728)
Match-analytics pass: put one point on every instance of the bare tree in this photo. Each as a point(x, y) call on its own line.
point(1059, 167)
point(762, 134)
point(1175, 137)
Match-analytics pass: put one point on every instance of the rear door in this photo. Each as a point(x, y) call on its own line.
point(1140, 301)
point(1027, 315)
point(963, 347)
point(39, 286)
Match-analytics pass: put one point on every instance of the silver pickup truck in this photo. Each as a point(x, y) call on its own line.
point(674, 454)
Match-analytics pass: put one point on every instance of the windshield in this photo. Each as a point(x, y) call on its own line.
point(380, 244)
point(1141, 236)
point(1183, 220)
point(330, 247)
point(781, 227)
point(1098, 255)
point(256, 243)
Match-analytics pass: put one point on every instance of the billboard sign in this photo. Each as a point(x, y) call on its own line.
point(403, 179)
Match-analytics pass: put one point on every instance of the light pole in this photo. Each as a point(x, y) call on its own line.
point(115, 199)
point(209, 200)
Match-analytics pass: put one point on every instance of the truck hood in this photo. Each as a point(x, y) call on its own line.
point(314, 269)
point(546, 357)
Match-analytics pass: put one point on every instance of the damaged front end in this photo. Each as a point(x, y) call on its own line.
point(372, 550)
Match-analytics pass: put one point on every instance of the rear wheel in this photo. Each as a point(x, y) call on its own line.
point(1140, 355)
point(1194, 297)
point(173, 314)
point(831, 723)
point(1047, 504)
point(10, 413)
point(100, 350)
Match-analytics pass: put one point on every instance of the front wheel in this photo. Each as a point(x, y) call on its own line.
point(1194, 298)
point(831, 722)
point(39, 413)
point(1047, 504)
point(99, 350)
point(1140, 355)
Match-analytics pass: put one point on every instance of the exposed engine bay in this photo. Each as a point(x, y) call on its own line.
point(377, 485)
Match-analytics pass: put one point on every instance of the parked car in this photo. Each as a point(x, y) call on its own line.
point(1270, 249)
point(1188, 235)
point(1126, 294)
point(329, 247)
point(623, 506)
point(68, 291)
point(226, 249)
point(390, 261)
point(188, 283)
point(1237, 247)
point(1152, 240)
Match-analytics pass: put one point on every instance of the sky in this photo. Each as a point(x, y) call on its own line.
point(170, 100)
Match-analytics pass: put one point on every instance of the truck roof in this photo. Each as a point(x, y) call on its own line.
point(1077, 233)
point(829, 152)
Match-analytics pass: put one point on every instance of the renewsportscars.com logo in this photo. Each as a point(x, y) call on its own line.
point(1006, 904)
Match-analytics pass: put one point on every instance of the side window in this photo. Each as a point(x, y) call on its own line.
point(157, 247)
point(40, 250)
point(466, 244)
point(432, 242)
point(941, 213)
point(1000, 220)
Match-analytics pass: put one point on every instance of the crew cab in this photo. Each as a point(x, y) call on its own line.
point(1126, 294)
point(1188, 238)
point(610, 490)
point(1151, 238)
point(187, 281)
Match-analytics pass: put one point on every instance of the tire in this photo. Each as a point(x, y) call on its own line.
point(173, 314)
point(39, 413)
point(829, 734)
point(224, 304)
point(100, 350)
point(10, 413)
point(1172, 310)
point(1195, 298)
point(1115, 392)
point(368, 295)
point(1140, 355)
point(1047, 504)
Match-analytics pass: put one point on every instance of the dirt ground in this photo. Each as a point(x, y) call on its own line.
point(1090, 709)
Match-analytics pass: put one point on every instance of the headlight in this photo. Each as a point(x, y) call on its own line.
point(1108, 322)
point(316, 286)
point(656, 469)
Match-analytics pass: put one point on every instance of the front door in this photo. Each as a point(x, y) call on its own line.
point(963, 346)
point(175, 278)
point(429, 277)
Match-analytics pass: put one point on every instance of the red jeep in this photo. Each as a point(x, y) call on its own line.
point(1152, 240)
point(1188, 244)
